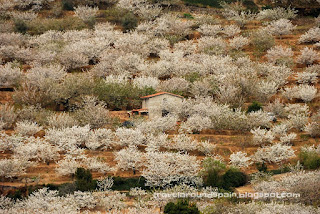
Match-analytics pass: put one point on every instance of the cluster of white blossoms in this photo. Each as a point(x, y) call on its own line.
point(27, 128)
point(8, 116)
point(278, 54)
point(238, 42)
point(10, 168)
point(240, 159)
point(164, 168)
point(307, 77)
point(262, 136)
point(313, 128)
point(86, 13)
point(281, 27)
point(49, 201)
point(304, 92)
point(308, 56)
point(9, 75)
point(71, 138)
point(277, 13)
point(312, 35)
point(275, 153)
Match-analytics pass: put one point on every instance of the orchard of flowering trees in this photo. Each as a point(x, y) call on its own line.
point(72, 71)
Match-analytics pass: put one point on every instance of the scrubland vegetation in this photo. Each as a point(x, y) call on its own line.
point(249, 121)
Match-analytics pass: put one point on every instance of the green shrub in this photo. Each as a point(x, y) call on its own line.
point(281, 170)
point(173, 39)
point(250, 5)
point(129, 22)
point(216, 174)
point(262, 41)
point(181, 207)
point(34, 113)
point(67, 188)
point(212, 172)
point(67, 4)
point(91, 22)
point(188, 16)
point(20, 26)
point(255, 106)
point(115, 15)
point(310, 160)
point(122, 184)
point(213, 178)
point(262, 167)
point(15, 195)
point(120, 96)
point(84, 180)
point(52, 186)
point(233, 178)
point(192, 77)
point(266, 7)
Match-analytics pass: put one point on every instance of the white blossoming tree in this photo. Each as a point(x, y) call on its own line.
point(240, 159)
point(281, 27)
point(129, 158)
point(163, 169)
point(276, 153)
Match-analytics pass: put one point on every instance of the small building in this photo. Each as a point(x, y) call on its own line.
point(155, 104)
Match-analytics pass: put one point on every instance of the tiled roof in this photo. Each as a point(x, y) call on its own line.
point(160, 93)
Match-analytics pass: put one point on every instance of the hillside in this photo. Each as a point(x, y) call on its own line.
point(248, 121)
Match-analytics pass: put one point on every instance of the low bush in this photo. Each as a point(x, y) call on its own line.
point(212, 172)
point(262, 167)
point(310, 159)
point(255, 106)
point(7, 116)
point(67, 188)
point(35, 114)
point(129, 22)
point(84, 180)
point(67, 4)
point(250, 5)
point(182, 206)
point(313, 128)
point(20, 26)
point(233, 178)
point(262, 41)
point(281, 170)
point(188, 16)
point(15, 194)
point(216, 174)
point(127, 124)
point(120, 96)
point(121, 184)
point(115, 15)
point(213, 178)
